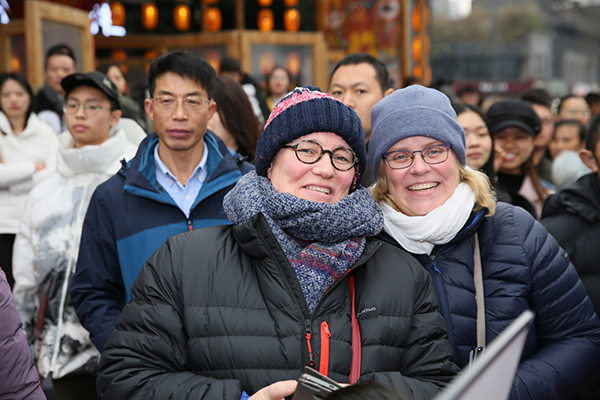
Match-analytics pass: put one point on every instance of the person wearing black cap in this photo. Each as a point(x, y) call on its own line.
point(47, 242)
point(514, 125)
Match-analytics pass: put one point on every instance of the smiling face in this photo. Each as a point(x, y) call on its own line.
point(518, 146)
point(356, 85)
point(479, 141)
point(318, 182)
point(421, 188)
point(90, 128)
point(566, 138)
point(14, 99)
point(179, 129)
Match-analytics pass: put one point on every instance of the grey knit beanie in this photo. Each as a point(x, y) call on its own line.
point(414, 111)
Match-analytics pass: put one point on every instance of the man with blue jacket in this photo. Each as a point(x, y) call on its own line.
point(175, 183)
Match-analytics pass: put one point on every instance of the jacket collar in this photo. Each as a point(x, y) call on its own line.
point(581, 197)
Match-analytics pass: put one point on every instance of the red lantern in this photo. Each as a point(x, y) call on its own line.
point(117, 10)
point(265, 3)
point(291, 20)
point(213, 19)
point(118, 55)
point(181, 17)
point(149, 16)
point(290, 3)
point(265, 20)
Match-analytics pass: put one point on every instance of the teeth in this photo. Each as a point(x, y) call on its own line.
point(422, 186)
point(319, 189)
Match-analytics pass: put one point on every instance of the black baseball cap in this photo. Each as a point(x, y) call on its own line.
point(94, 79)
point(513, 113)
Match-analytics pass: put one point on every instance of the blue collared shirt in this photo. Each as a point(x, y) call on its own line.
point(184, 195)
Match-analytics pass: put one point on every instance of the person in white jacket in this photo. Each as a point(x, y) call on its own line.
point(28, 148)
point(47, 242)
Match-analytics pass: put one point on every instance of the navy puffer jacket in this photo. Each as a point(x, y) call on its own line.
point(523, 268)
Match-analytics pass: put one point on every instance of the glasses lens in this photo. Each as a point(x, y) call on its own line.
point(165, 102)
point(435, 154)
point(308, 152)
point(399, 159)
point(194, 103)
point(343, 159)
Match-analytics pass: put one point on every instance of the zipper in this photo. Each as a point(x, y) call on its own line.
point(308, 334)
point(325, 335)
point(189, 224)
point(438, 285)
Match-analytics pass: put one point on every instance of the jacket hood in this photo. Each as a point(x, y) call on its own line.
point(581, 197)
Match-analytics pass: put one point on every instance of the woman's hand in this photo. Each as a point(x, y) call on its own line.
point(276, 391)
point(499, 154)
point(39, 166)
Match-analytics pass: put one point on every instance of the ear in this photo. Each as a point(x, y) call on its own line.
point(387, 92)
point(269, 172)
point(589, 160)
point(115, 116)
point(149, 109)
point(212, 108)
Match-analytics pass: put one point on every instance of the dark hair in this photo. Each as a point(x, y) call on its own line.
point(592, 134)
point(237, 115)
point(229, 64)
point(20, 79)
point(365, 391)
point(488, 167)
point(592, 98)
point(466, 90)
point(572, 122)
point(275, 68)
point(381, 72)
point(562, 101)
point(60, 50)
point(105, 67)
point(185, 64)
point(537, 96)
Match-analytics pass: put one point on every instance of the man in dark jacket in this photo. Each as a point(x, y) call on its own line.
point(572, 216)
point(175, 183)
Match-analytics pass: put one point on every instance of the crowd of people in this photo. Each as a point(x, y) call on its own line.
point(212, 240)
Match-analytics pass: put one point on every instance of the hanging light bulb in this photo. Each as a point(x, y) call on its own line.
point(290, 3)
point(213, 19)
point(265, 3)
point(181, 17)
point(291, 20)
point(149, 16)
point(117, 10)
point(265, 20)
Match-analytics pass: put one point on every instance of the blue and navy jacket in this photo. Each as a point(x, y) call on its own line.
point(523, 268)
point(129, 217)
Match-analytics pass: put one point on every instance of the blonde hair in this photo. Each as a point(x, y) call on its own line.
point(477, 181)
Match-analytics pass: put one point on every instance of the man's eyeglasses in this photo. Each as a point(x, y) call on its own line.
point(89, 109)
point(190, 103)
point(309, 152)
point(399, 159)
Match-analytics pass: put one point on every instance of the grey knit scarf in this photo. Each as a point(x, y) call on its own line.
point(336, 232)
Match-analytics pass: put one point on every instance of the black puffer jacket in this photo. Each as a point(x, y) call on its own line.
point(219, 310)
point(572, 216)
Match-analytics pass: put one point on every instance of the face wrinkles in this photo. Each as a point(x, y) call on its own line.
point(356, 86)
point(421, 188)
point(319, 182)
point(180, 131)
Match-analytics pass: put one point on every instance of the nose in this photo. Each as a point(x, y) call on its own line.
point(324, 167)
point(180, 112)
point(419, 166)
point(80, 113)
point(348, 99)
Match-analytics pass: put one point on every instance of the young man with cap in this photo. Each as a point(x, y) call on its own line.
point(514, 125)
point(48, 104)
point(175, 183)
point(47, 243)
point(360, 80)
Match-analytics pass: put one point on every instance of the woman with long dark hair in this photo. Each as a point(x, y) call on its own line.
point(28, 151)
point(234, 122)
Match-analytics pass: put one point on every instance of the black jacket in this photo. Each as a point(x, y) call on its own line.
point(219, 310)
point(572, 216)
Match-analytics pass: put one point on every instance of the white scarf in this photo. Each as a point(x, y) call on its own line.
point(419, 235)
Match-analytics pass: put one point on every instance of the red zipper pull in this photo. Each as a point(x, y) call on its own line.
point(311, 361)
point(325, 335)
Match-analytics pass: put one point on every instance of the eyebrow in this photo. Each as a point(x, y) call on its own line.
point(166, 92)
point(87, 100)
point(351, 86)
point(431, 143)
